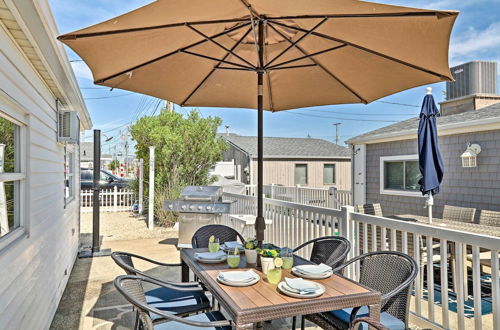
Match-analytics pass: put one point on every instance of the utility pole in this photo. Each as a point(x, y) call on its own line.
point(168, 106)
point(337, 132)
point(126, 150)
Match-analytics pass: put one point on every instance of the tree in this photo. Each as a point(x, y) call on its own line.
point(187, 147)
point(114, 165)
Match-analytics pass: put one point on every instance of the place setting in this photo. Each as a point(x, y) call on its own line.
point(238, 278)
point(300, 288)
point(211, 257)
point(313, 272)
point(227, 246)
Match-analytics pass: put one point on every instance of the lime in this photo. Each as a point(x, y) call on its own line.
point(278, 262)
point(211, 239)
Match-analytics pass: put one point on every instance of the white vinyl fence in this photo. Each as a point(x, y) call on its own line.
point(111, 200)
point(451, 307)
point(323, 197)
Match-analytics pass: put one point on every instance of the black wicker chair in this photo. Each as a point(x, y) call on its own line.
point(178, 298)
point(390, 272)
point(131, 288)
point(223, 233)
point(356, 324)
point(329, 250)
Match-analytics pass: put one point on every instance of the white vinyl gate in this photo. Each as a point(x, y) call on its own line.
point(111, 200)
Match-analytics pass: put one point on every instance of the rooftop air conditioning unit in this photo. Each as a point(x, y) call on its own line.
point(68, 127)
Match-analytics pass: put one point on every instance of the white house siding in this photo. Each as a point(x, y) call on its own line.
point(35, 267)
point(477, 187)
point(282, 171)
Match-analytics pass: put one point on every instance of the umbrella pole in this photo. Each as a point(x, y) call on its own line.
point(430, 202)
point(260, 224)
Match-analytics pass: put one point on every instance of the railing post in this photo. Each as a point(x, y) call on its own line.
point(151, 187)
point(115, 199)
point(332, 198)
point(346, 230)
point(141, 186)
point(272, 190)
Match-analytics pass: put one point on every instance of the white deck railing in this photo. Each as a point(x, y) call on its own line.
point(294, 224)
point(323, 197)
point(111, 200)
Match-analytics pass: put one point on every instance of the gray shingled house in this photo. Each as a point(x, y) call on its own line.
point(385, 162)
point(292, 161)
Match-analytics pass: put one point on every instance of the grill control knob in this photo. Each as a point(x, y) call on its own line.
point(170, 206)
point(191, 207)
point(200, 207)
point(209, 208)
point(183, 207)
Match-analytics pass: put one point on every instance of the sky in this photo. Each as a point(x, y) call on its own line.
point(476, 36)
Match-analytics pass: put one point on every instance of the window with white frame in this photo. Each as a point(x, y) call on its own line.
point(328, 173)
point(11, 177)
point(69, 171)
point(399, 175)
point(301, 174)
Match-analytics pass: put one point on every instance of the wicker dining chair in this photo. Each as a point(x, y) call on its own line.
point(131, 288)
point(329, 250)
point(186, 297)
point(223, 233)
point(489, 218)
point(357, 324)
point(457, 213)
point(371, 209)
point(389, 272)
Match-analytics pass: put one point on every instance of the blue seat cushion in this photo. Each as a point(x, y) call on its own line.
point(177, 302)
point(386, 319)
point(206, 317)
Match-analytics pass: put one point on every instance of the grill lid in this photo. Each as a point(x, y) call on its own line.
point(201, 193)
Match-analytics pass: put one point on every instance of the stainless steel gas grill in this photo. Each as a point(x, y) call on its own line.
point(197, 206)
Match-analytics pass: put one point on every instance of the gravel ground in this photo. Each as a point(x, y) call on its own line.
point(121, 226)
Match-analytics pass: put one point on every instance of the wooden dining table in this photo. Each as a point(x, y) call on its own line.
point(263, 301)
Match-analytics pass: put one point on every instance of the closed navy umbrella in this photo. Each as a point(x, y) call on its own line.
point(429, 158)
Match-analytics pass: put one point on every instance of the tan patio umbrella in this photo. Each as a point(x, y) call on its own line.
point(267, 54)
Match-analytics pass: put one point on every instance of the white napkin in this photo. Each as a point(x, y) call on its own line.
point(233, 245)
point(238, 276)
point(299, 285)
point(210, 255)
point(314, 269)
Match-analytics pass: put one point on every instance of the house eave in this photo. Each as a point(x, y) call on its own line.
point(479, 125)
point(302, 157)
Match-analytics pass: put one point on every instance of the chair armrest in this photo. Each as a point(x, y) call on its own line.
point(377, 325)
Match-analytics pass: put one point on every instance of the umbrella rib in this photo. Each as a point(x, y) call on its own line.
point(217, 66)
point(293, 66)
point(146, 28)
point(217, 60)
point(277, 66)
point(321, 66)
point(100, 81)
point(367, 15)
point(367, 50)
point(221, 46)
point(297, 41)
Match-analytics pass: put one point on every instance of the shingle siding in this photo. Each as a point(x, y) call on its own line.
point(477, 187)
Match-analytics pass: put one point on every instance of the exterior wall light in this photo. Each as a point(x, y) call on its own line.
point(469, 157)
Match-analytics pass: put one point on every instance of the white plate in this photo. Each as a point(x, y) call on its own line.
point(282, 286)
point(311, 276)
point(211, 261)
point(240, 248)
point(239, 283)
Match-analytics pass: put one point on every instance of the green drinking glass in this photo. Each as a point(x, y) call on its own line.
point(214, 246)
point(274, 275)
point(233, 258)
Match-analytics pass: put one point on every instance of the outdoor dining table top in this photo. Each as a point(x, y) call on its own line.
point(457, 225)
point(262, 301)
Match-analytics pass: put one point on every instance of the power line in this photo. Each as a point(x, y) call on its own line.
point(339, 118)
point(401, 104)
point(359, 114)
point(107, 97)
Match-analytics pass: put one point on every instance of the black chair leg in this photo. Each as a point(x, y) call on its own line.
point(294, 322)
point(302, 323)
point(136, 324)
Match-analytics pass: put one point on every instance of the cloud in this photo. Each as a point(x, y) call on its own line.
point(476, 44)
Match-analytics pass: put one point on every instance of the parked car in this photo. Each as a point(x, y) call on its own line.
point(106, 181)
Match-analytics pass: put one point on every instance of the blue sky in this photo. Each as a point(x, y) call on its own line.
point(476, 36)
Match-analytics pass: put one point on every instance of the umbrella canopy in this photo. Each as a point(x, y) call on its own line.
point(272, 55)
point(429, 157)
